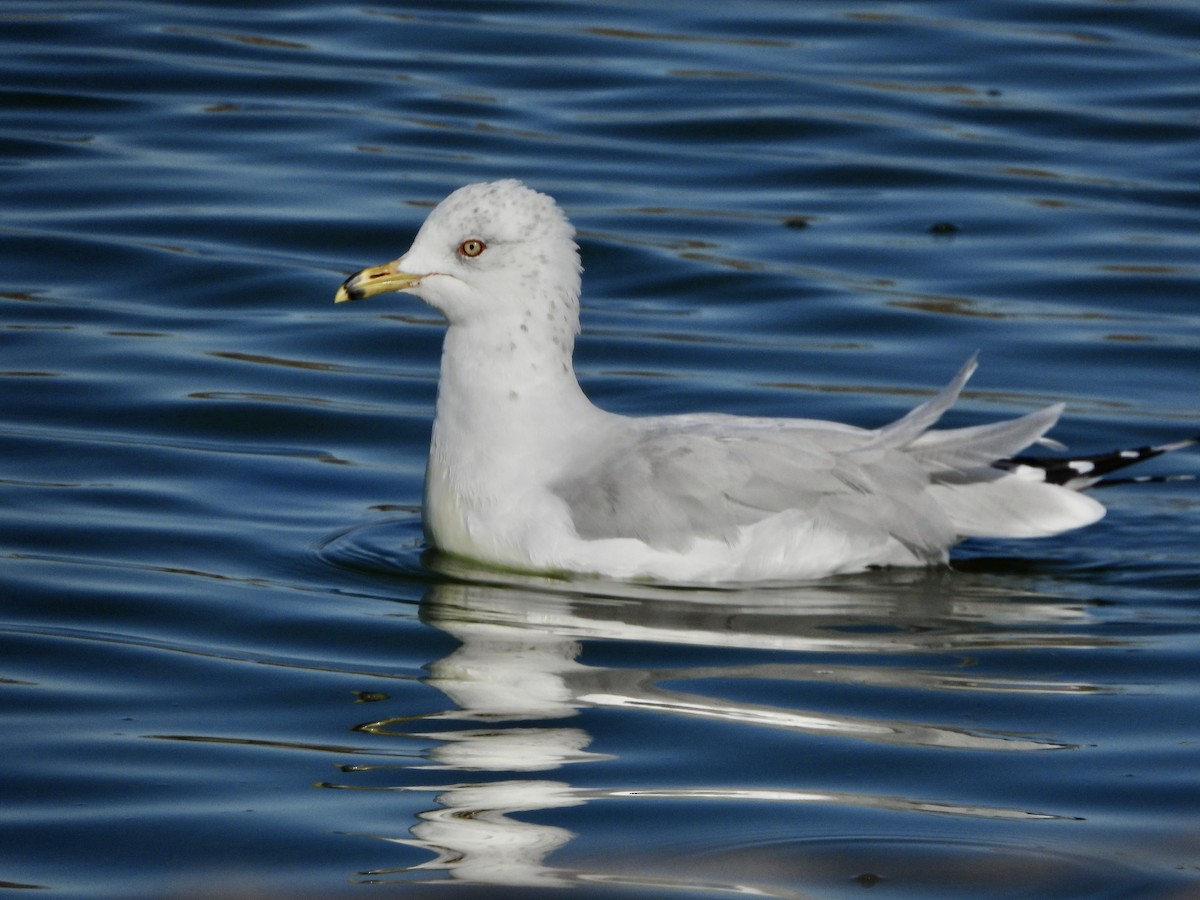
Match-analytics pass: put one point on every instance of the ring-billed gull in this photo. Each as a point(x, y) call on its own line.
point(525, 473)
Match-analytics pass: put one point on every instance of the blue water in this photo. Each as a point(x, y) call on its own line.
point(227, 663)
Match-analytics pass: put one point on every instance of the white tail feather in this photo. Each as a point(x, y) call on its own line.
point(1010, 507)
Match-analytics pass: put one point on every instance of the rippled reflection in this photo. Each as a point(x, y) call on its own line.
point(517, 671)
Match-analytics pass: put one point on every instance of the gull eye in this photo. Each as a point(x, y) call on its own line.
point(471, 248)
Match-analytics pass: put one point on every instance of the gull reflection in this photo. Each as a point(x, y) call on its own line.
point(475, 839)
point(518, 663)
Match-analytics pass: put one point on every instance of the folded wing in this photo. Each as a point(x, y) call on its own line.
point(670, 480)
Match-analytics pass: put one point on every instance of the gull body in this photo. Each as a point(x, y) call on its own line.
point(524, 472)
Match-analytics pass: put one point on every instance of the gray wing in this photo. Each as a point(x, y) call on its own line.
point(673, 479)
point(669, 480)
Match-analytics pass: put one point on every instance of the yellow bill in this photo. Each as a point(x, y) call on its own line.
point(375, 280)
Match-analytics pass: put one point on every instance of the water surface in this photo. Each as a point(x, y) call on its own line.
point(226, 660)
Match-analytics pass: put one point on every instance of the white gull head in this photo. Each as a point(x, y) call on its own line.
point(489, 251)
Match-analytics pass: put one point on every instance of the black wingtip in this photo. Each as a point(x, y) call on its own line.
point(1081, 472)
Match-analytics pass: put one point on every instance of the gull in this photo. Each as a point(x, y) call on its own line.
point(525, 473)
